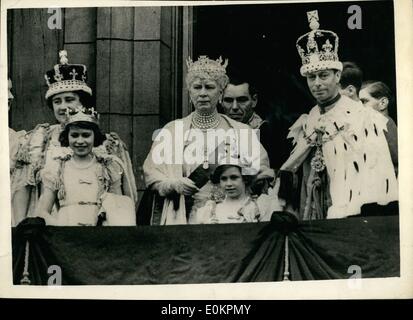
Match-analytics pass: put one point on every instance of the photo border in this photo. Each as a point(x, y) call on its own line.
point(400, 287)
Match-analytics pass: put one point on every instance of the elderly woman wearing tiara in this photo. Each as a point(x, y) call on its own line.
point(181, 159)
point(67, 89)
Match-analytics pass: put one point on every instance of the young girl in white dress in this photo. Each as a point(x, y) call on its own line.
point(232, 201)
point(78, 179)
point(67, 88)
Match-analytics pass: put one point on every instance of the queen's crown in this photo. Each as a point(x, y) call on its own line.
point(66, 77)
point(206, 65)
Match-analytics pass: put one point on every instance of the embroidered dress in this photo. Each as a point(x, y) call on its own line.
point(79, 188)
point(16, 140)
point(345, 158)
point(40, 149)
point(227, 212)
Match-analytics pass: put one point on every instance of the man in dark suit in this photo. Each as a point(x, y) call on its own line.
point(239, 101)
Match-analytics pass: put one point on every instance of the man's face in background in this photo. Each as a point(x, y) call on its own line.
point(238, 103)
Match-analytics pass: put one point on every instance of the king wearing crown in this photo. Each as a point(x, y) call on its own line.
point(340, 149)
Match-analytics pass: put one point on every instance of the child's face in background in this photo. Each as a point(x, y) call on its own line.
point(232, 183)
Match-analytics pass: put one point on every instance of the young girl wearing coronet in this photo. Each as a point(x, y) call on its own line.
point(80, 179)
point(67, 88)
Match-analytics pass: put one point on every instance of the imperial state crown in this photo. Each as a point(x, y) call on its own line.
point(318, 49)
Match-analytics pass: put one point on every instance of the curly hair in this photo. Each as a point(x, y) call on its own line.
point(98, 135)
point(221, 79)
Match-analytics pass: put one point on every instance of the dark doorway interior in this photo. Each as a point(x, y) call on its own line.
point(260, 40)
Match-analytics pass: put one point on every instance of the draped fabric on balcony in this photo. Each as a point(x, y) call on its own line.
point(208, 253)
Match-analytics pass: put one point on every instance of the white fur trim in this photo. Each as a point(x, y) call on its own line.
point(66, 86)
point(320, 65)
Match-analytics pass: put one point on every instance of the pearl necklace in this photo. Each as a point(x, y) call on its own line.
point(205, 122)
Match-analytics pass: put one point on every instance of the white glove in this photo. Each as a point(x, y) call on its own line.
point(183, 186)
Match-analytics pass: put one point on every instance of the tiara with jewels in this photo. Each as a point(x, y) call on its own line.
point(233, 156)
point(206, 65)
point(80, 113)
point(318, 49)
point(66, 77)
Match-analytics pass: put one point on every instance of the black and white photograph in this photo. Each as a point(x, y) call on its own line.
point(216, 143)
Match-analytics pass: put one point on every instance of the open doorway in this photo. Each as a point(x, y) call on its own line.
point(259, 40)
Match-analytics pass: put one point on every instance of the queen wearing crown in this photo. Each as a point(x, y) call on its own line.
point(67, 89)
point(83, 182)
point(181, 179)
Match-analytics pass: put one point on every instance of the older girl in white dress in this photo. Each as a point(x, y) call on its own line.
point(67, 88)
point(79, 179)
